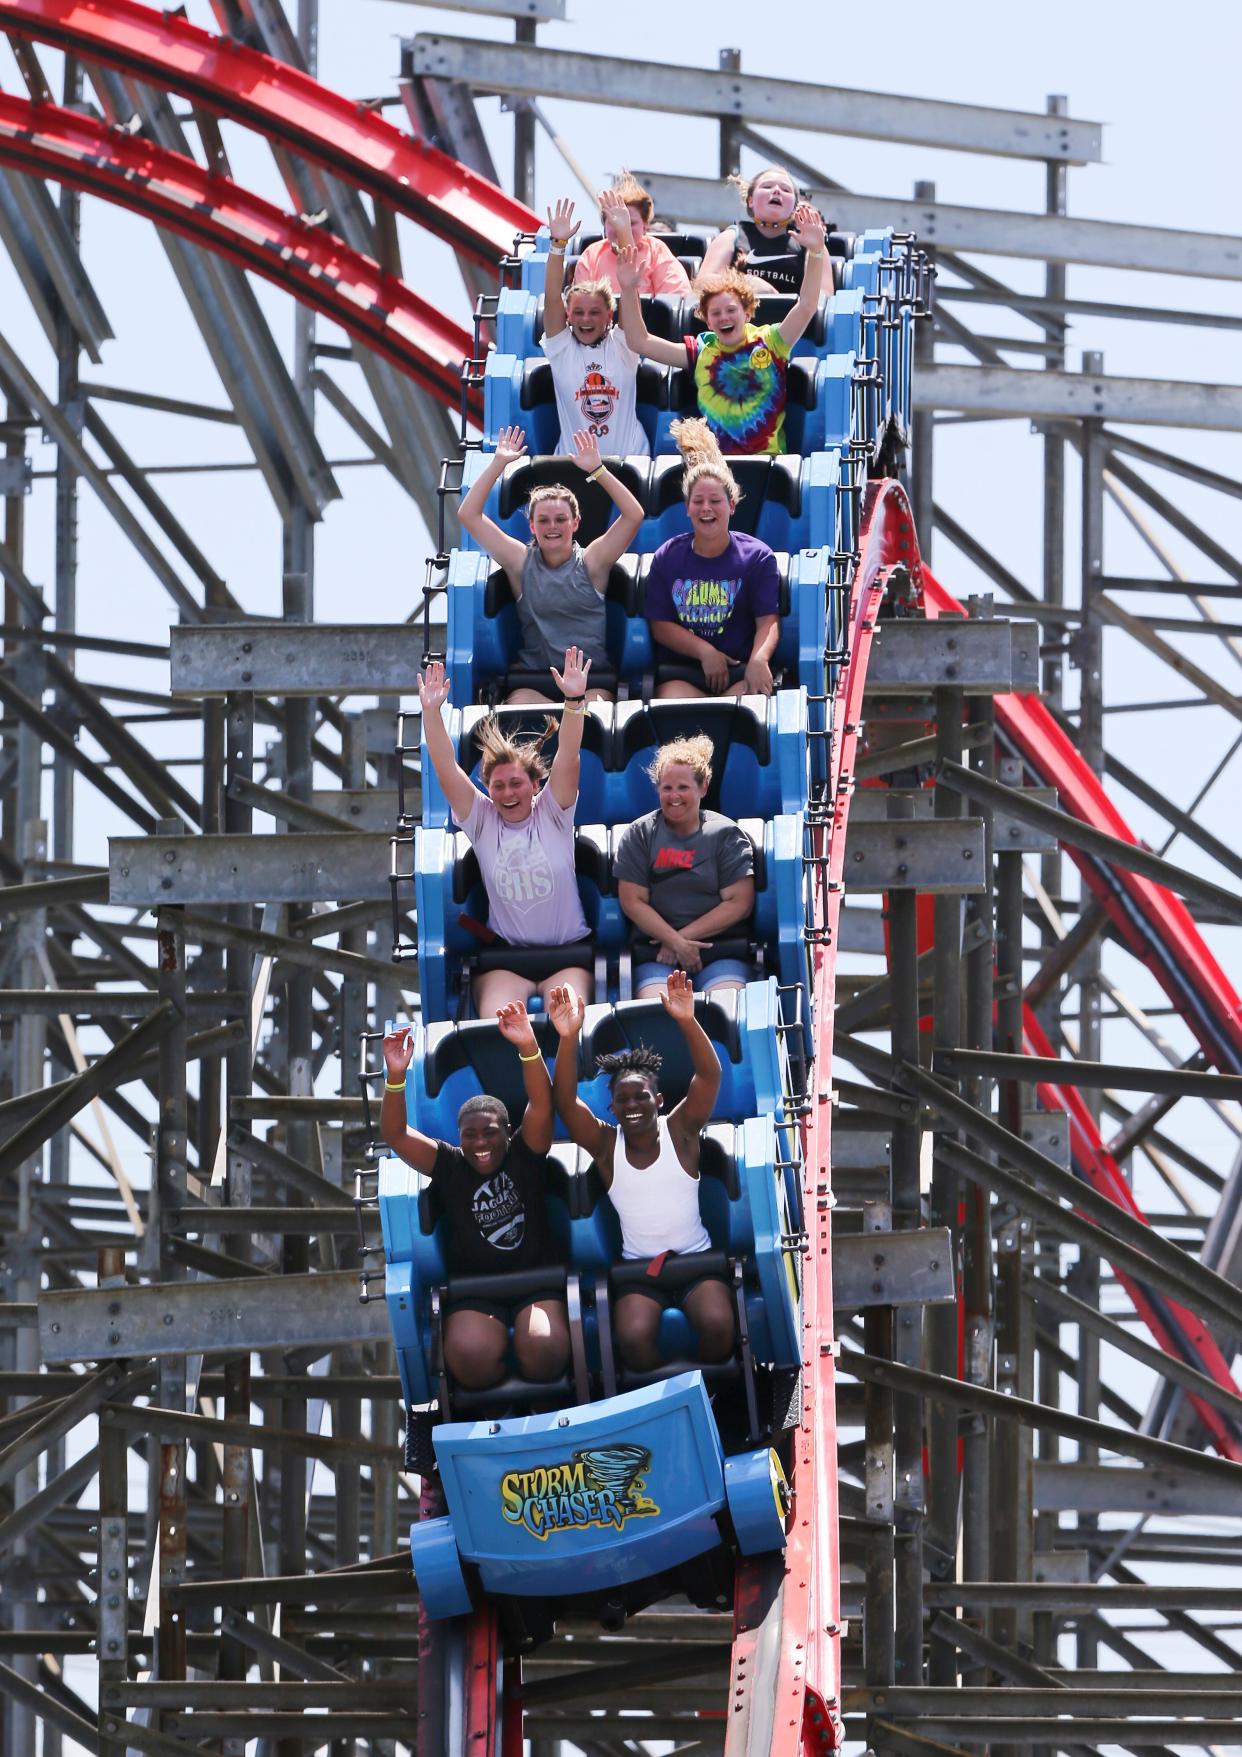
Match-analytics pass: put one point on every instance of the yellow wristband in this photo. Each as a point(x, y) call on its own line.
point(594, 475)
point(389, 1087)
point(537, 1057)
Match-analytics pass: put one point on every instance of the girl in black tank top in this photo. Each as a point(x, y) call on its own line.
point(762, 244)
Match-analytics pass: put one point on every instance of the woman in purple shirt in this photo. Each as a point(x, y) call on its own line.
point(713, 596)
point(522, 833)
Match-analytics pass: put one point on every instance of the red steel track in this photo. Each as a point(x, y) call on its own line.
point(307, 261)
point(288, 106)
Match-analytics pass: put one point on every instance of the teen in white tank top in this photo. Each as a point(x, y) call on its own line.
point(657, 1204)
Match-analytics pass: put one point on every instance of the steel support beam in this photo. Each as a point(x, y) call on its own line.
point(777, 103)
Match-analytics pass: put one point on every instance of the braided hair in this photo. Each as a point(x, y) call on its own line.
point(640, 1060)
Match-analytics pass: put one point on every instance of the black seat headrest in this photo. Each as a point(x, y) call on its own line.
point(594, 505)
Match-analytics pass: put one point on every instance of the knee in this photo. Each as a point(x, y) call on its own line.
point(476, 1363)
point(714, 1330)
point(542, 1358)
point(637, 1338)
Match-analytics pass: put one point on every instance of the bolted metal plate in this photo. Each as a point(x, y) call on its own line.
point(915, 854)
point(1048, 1132)
point(304, 868)
point(296, 659)
point(1011, 836)
point(16, 477)
point(366, 808)
point(892, 1268)
point(209, 1317)
point(914, 655)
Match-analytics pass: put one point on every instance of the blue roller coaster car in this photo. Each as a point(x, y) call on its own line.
point(591, 1498)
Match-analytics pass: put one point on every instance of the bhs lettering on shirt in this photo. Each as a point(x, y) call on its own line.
point(679, 858)
point(523, 875)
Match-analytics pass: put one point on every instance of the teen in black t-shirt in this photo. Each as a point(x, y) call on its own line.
point(491, 1192)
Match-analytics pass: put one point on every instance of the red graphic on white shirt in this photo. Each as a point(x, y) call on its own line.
point(597, 398)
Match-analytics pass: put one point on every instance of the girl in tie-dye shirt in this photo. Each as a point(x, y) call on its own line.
point(740, 368)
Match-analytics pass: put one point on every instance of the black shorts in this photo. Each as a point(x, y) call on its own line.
point(504, 1311)
point(671, 1296)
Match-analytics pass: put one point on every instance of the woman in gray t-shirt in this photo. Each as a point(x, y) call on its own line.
point(685, 876)
point(558, 586)
point(522, 833)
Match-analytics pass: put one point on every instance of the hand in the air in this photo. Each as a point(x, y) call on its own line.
point(808, 227)
point(586, 451)
point(510, 446)
point(433, 687)
point(615, 213)
point(572, 681)
point(516, 1028)
point(561, 222)
point(566, 1009)
point(398, 1052)
point(678, 996)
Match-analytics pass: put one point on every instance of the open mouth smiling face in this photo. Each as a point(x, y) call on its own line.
point(484, 1141)
point(635, 1103)
point(726, 317)
point(588, 318)
point(512, 791)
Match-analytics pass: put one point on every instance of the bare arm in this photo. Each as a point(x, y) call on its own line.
point(416, 1149)
point(759, 665)
point(566, 1011)
point(612, 544)
point(809, 232)
point(505, 551)
point(682, 640)
point(688, 1119)
point(538, 1117)
point(736, 902)
point(720, 252)
point(459, 789)
point(561, 226)
point(680, 946)
point(639, 338)
point(567, 763)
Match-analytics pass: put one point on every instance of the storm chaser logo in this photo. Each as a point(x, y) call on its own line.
point(601, 1487)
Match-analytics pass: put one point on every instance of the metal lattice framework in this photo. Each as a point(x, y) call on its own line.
point(202, 1504)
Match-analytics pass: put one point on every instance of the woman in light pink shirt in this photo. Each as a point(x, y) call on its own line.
point(625, 213)
point(522, 832)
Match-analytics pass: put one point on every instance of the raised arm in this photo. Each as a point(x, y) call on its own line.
point(610, 545)
point(459, 789)
point(689, 1118)
point(505, 551)
point(566, 1011)
point(808, 231)
point(561, 226)
point(407, 1143)
point(566, 764)
point(637, 334)
point(538, 1118)
point(720, 252)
